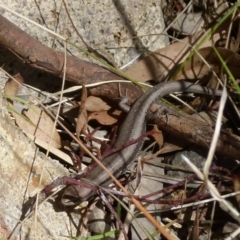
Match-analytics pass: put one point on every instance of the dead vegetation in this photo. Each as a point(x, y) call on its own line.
point(185, 182)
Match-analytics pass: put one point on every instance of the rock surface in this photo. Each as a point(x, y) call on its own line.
point(120, 30)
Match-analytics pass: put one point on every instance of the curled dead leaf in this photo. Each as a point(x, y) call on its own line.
point(95, 104)
point(105, 118)
point(158, 136)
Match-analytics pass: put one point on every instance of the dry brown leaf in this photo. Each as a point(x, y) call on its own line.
point(158, 136)
point(39, 125)
point(95, 104)
point(104, 118)
point(34, 122)
point(82, 116)
point(11, 86)
point(166, 145)
point(196, 68)
point(158, 64)
point(161, 62)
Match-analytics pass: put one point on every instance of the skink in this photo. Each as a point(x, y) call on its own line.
point(133, 127)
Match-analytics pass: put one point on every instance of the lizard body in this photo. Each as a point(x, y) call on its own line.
point(132, 128)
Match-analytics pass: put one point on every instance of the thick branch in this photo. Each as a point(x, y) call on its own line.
point(39, 56)
point(188, 128)
point(46, 59)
